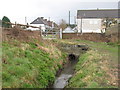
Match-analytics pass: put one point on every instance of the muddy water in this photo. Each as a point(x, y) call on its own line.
point(62, 80)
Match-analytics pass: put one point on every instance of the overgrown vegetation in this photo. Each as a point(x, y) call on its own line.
point(26, 65)
point(34, 64)
point(97, 67)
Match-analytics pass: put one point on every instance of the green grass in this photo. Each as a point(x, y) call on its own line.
point(26, 66)
point(50, 36)
point(104, 48)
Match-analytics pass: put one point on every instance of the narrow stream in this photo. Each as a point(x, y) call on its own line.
point(73, 51)
point(62, 80)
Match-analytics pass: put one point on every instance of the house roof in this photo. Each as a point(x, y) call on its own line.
point(99, 13)
point(68, 28)
point(38, 21)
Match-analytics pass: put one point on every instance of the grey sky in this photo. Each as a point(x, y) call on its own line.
point(16, 10)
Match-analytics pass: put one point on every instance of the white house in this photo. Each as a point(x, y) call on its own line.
point(39, 22)
point(91, 21)
point(42, 23)
point(68, 30)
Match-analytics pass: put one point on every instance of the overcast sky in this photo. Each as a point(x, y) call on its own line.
point(17, 10)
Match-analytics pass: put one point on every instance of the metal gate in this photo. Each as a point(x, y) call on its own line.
point(50, 35)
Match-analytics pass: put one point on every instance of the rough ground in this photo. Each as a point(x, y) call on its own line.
point(107, 54)
point(20, 34)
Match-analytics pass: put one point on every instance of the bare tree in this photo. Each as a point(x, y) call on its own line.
point(63, 24)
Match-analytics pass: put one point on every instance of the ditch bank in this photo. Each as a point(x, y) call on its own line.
point(95, 37)
point(64, 74)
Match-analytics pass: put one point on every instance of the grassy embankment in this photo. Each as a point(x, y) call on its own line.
point(31, 65)
point(95, 67)
point(27, 65)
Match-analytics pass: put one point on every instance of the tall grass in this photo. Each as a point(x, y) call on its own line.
point(26, 66)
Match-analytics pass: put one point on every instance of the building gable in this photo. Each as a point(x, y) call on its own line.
point(38, 21)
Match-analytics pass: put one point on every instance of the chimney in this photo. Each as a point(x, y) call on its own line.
point(41, 17)
point(45, 19)
point(48, 22)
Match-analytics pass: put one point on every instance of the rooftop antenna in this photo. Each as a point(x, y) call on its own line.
point(49, 18)
point(74, 19)
point(26, 20)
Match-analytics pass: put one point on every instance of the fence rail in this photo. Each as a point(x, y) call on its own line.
point(20, 25)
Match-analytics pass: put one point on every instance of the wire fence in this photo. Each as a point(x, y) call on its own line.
point(15, 24)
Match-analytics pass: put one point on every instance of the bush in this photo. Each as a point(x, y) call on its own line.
point(5, 21)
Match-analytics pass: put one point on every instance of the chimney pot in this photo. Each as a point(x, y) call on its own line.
point(42, 17)
point(45, 19)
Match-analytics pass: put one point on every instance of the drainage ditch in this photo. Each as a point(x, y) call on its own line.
point(74, 52)
point(62, 80)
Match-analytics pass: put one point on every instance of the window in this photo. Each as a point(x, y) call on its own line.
point(95, 22)
point(91, 22)
point(37, 19)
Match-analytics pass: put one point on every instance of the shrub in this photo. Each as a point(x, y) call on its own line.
point(5, 22)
